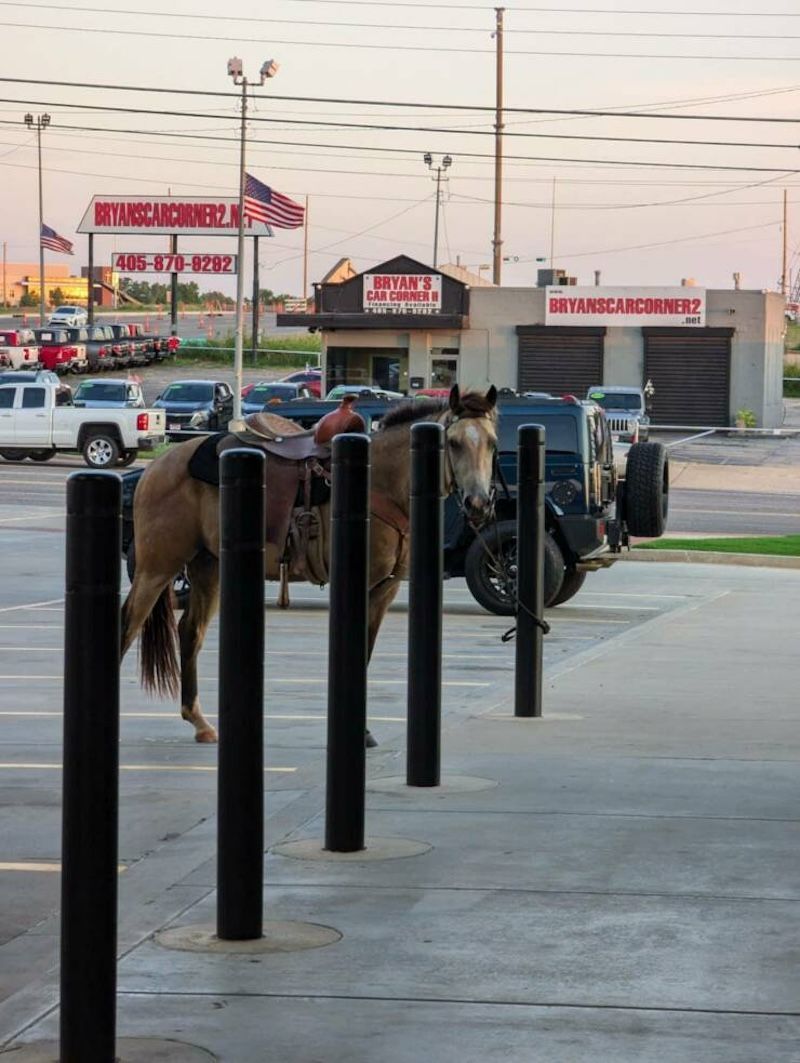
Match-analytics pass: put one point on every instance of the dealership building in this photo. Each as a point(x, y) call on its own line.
point(406, 326)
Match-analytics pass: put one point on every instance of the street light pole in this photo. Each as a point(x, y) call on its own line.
point(445, 163)
point(42, 121)
point(235, 70)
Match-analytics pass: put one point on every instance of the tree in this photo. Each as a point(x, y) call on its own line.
point(28, 299)
point(57, 297)
point(189, 293)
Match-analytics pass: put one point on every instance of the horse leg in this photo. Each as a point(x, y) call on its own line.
point(384, 586)
point(203, 601)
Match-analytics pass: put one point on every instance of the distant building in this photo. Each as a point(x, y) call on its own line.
point(21, 277)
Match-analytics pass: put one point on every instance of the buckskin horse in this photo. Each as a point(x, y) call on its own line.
point(176, 526)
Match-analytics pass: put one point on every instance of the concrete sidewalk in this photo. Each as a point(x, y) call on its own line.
point(769, 479)
point(624, 889)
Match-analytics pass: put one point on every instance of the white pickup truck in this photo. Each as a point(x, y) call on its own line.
point(38, 419)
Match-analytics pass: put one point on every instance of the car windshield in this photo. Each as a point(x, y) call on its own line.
point(615, 400)
point(189, 393)
point(265, 392)
point(561, 433)
point(98, 390)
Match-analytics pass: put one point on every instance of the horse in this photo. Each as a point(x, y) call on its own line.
point(176, 528)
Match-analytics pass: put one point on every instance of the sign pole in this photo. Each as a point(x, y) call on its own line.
point(173, 250)
point(90, 300)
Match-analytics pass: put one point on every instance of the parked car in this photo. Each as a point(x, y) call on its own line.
point(260, 395)
point(38, 419)
point(124, 340)
point(60, 353)
point(109, 393)
point(196, 406)
point(71, 316)
point(312, 378)
point(32, 376)
point(363, 390)
point(626, 410)
point(19, 348)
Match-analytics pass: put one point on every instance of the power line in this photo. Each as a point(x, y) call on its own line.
point(561, 10)
point(386, 127)
point(194, 16)
point(234, 98)
point(437, 49)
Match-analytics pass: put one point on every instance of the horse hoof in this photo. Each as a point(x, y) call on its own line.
point(370, 741)
point(208, 735)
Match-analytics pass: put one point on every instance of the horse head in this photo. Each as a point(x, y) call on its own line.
point(470, 425)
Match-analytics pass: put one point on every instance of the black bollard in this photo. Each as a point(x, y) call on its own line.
point(347, 644)
point(91, 769)
point(425, 606)
point(240, 795)
point(530, 571)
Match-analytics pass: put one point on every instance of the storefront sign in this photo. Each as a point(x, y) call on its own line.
point(402, 293)
point(167, 215)
point(161, 262)
point(626, 307)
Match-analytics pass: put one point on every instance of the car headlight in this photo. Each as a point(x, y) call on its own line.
point(198, 418)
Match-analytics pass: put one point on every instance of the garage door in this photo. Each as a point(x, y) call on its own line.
point(691, 371)
point(559, 360)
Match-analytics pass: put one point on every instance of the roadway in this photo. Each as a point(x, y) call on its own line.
point(191, 325)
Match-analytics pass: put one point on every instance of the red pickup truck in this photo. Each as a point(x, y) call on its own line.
point(59, 353)
point(18, 349)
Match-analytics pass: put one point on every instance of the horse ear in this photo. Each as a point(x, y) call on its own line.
point(491, 397)
point(455, 398)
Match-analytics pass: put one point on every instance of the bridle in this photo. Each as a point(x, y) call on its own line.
point(450, 473)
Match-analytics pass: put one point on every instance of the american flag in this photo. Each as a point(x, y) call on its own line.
point(261, 203)
point(51, 240)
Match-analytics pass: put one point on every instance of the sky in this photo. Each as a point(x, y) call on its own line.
point(641, 213)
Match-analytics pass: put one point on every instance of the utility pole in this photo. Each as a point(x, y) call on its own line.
point(305, 255)
point(235, 70)
point(445, 164)
point(553, 223)
point(5, 294)
point(42, 121)
point(497, 242)
point(783, 266)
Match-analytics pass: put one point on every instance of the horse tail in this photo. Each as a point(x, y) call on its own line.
point(158, 654)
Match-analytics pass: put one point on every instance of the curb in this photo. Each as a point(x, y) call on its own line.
point(712, 557)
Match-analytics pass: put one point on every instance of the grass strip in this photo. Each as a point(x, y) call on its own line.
point(780, 545)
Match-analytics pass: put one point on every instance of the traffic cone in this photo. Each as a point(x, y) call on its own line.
point(147, 324)
point(25, 319)
point(210, 332)
point(201, 322)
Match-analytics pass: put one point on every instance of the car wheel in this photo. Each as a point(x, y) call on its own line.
point(573, 581)
point(647, 489)
point(100, 451)
point(14, 455)
point(43, 455)
point(490, 568)
point(128, 457)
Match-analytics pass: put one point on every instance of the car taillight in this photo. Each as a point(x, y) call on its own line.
point(142, 422)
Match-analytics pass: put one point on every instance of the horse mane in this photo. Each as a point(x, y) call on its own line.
point(471, 404)
point(413, 410)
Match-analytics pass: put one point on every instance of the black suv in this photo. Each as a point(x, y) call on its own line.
point(590, 509)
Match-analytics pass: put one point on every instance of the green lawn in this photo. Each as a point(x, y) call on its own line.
point(784, 545)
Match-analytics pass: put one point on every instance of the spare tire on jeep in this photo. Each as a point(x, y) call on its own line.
point(647, 489)
point(490, 568)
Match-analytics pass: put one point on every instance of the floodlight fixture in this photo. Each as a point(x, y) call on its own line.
point(235, 67)
point(269, 69)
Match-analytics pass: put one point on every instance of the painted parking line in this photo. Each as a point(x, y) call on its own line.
point(14, 766)
point(31, 605)
point(48, 515)
point(270, 679)
point(47, 715)
point(40, 866)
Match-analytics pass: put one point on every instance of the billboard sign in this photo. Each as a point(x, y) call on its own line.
point(626, 307)
point(167, 215)
point(163, 262)
point(402, 293)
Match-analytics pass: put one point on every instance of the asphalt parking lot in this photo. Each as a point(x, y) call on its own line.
point(168, 782)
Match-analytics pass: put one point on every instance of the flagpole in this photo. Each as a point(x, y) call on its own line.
point(305, 254)
point(41, 223)
point(239, 341)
